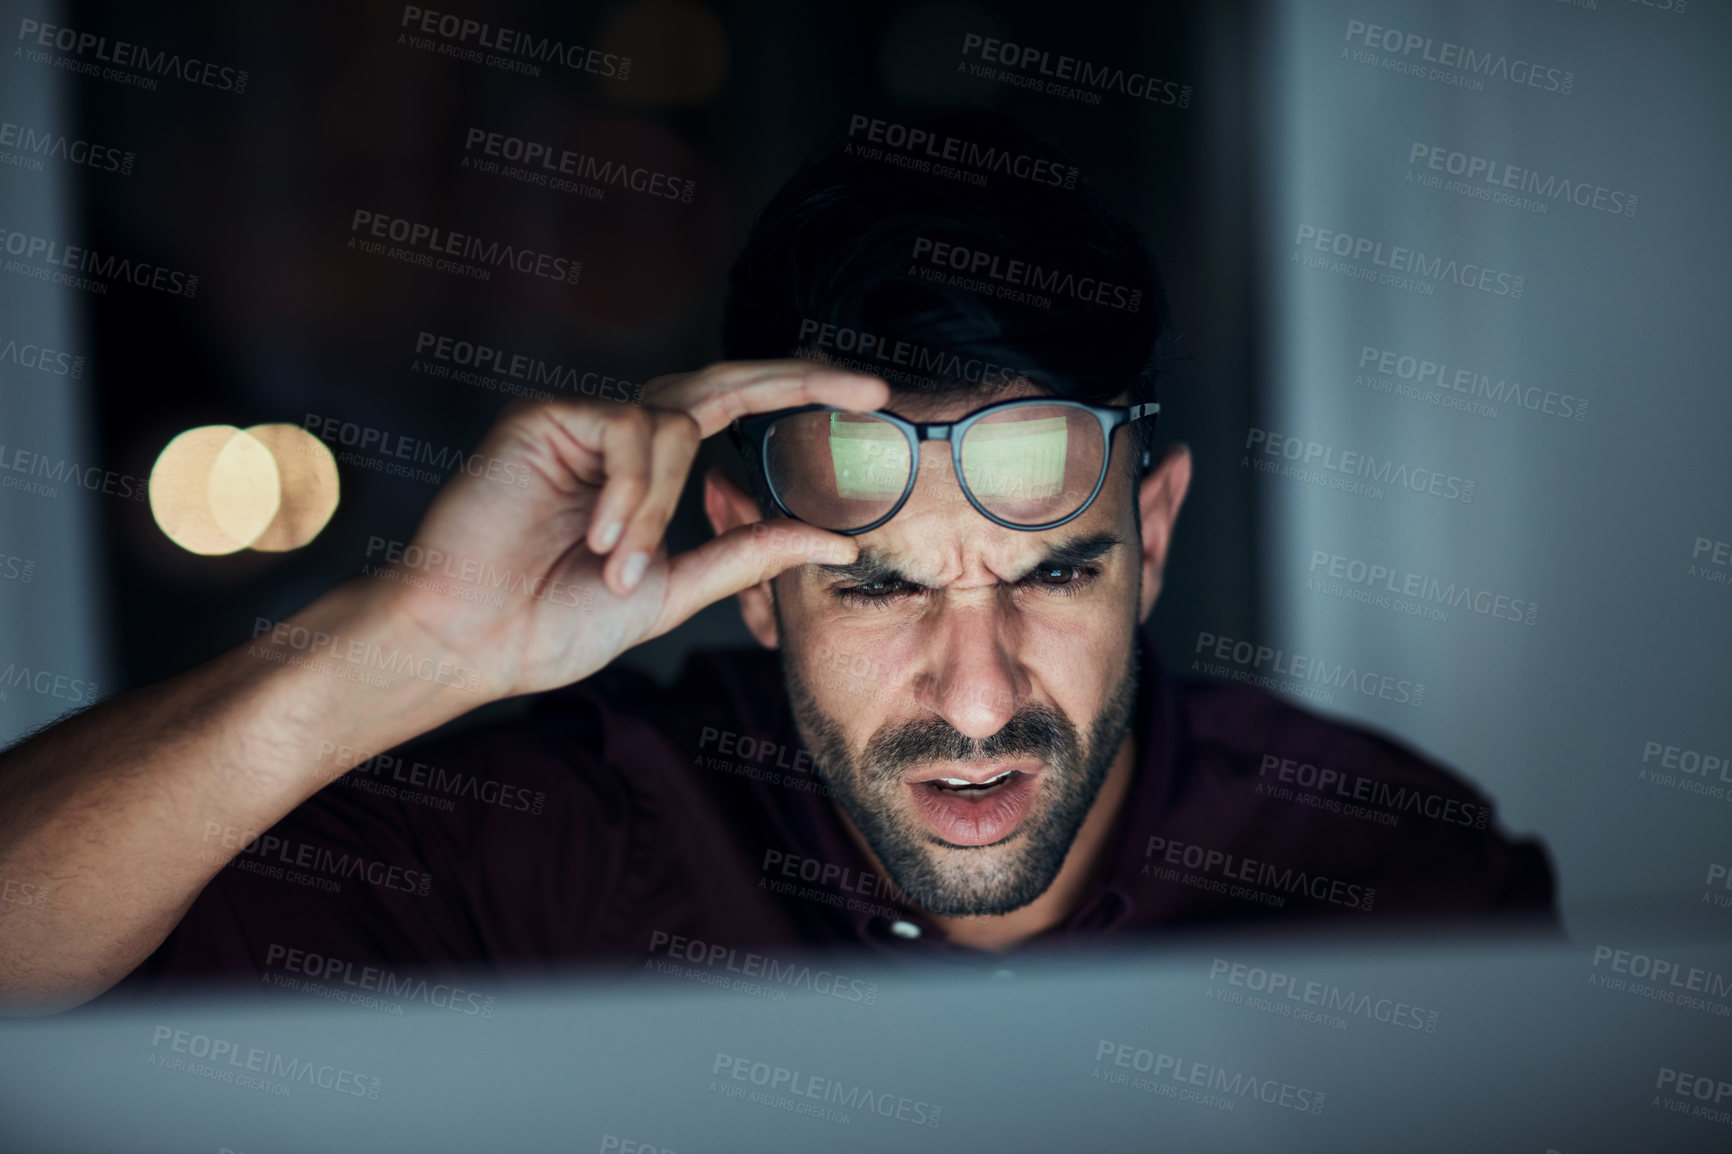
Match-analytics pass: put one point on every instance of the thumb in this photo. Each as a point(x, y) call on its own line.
point(742, 557)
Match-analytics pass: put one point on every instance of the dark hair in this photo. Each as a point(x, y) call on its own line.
point(836, 246)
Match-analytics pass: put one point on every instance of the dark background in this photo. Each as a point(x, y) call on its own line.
point(1612, 524)
point(255, 194)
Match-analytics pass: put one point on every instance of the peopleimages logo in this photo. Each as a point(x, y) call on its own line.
point(1265, 665)
point(43, 360)
point(875, 354)
point(63, 472)
point(1192, 1081)
point(1326, 997)
point(480, 573)
point(23, 893)
point(222, 1052)
point(832, 883)
point(1070, 75)
point(546, 165)
point(1485, 179)
point(763, 968)
point(429, 243)
point(1662, 980)
point(1453, 387)
point(925, 151)
point(1681, 1087)
point(1711, 561)
point(1402, 267)
point(33, 145)
point(298, 646)
point(504, 48)
point(792, 1085)
point(269, 847)
point(471, 362)
point(46, 683)
point(384, 768)
point(402, 447)
point(757, 759)
point(1231, 867)
point(1690, 770)
point(1410, 52)
point(121, 55)
point(1348, 469)
point(1016, 274)
point(827, 874)
point(325, 968)
point(1719, 877)
point(1288, 779)
point(1370, 580)
point(40, 257)
point(756, 749)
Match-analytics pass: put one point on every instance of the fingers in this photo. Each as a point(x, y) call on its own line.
point(624, 440)
point(639, 457)
point(742, 557)
point(647, 455)
point(723, 392)
point(673, 444)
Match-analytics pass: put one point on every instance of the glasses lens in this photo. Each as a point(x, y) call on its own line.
point(837, 470)
point(1033, 463)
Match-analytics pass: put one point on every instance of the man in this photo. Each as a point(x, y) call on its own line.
point(952, 742)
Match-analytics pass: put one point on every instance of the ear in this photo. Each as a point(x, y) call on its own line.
point(1159, 496)
point(729, 507)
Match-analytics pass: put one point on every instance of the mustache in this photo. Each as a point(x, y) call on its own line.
point(1035, 731)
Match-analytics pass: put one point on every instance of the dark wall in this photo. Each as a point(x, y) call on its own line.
point(255, 193)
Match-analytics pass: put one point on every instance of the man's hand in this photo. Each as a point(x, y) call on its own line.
point(577, 555)
point(107, 816)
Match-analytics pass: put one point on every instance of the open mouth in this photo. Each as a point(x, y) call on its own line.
point(977, 789)
point(981, 808)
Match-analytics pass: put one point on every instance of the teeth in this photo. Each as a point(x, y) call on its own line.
point(958, 783)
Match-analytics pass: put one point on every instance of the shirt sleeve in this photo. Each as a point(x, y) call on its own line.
point(498, 846)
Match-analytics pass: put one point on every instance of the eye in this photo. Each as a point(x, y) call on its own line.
point(1067, 580)
point(877, 591)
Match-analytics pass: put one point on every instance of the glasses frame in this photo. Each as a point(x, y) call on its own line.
point(751, 435)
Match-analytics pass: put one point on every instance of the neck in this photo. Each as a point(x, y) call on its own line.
point(1067, 891)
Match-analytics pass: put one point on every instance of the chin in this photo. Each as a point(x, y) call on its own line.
point(968, 881)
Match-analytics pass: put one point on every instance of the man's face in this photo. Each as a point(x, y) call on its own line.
point(964, 688)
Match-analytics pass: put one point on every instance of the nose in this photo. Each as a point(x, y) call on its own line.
point(973, 678)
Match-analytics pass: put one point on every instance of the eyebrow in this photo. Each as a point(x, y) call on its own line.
point(873, 565)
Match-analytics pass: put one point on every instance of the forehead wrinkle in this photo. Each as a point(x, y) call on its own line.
point(875, 563)
point(870, 564)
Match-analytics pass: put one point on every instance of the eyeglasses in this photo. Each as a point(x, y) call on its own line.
point(1031, 463)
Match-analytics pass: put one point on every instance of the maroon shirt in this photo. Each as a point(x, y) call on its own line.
point(621, 820)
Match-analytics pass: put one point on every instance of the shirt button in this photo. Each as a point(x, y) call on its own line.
point(904, 929)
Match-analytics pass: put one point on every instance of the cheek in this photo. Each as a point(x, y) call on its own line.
point(1075, 657)
point(851, 669)
point(864, 672)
